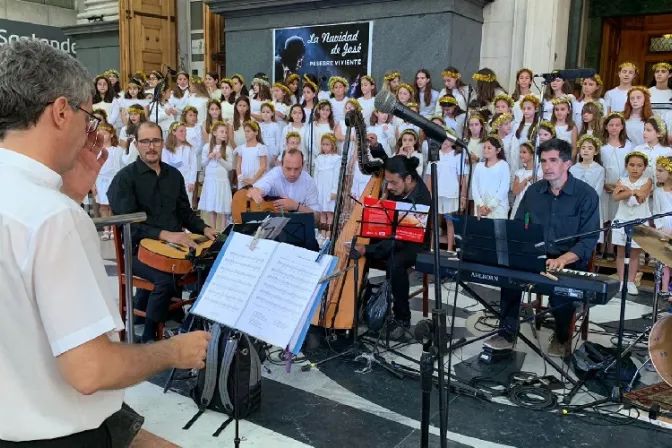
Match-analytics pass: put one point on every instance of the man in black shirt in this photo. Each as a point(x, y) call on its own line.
point(151, 186)
point(563, 206)
point(403, 185)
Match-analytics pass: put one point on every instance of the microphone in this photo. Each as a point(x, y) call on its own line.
point(569, 74)
point(171, 71)
point(386, 102)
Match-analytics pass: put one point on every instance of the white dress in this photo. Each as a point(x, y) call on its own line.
point(660, 96)
point(327, 170)
point(304, 133)
point(577, 109)
point(448, 170)
point(250, 162)
point(367, 108)
point(338, 109)
point(319, 129)
point(110, 168)
point(653, 154)
point(615, 99)
point(112, 109)
point(239, 136)
point(564, 133)
point(164, 120)
point(522, 174)
point(195, 139)
point(490, 187)
point(125, 103)
point(282, 108)
point(630, 209)
point(512, 153)
point(662, 203)
point(613, 161)
point(359, 179)
point(523, 132)
point(548, 107)
point(594, 176)
point(456, 124)
point(227, 111)
point(459, 94)
point(271, 132)
point(216, 192)
point(184, 159)
point(201, 105)
point(634, 128)
point(179, 103)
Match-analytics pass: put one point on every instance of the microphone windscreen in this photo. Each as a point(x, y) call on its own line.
point(385, 102)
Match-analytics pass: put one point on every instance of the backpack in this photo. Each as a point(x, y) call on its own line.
point(230, 354)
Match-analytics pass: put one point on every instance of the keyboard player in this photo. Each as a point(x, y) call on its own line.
point(563, 206)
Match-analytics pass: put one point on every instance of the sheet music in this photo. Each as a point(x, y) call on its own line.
point(277, 307)
point(233, 278)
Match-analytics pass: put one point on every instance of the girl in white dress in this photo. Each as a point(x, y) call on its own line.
point(179, 154)
point(217, 161)
point(338, 87)
point(297, 123)
point(167, 114)
point(637, 112)
point(110, 168)
point(591, 119)
point(214, 112)
point(198, 99)
point(261, 89)
point(136, 115)
point(453, 85)
point(632, 191)
point(487, 88)
point(409, 145)
point(194, 131)
point(524, 178)
point(529, 105)
point(251, 160)
point(133, 95)
point(591, 91)
point(323, 123)
point(524, 78)
point(660, 90)
point(618, 96)
point(241, 115)
point(381, 126)
point(589, 169)
point(452, 171)
point(391, 81)
point(491, 182)
point(662, 203)
point(271, 132)
point(453, 115)
point(327, 170)
point(502, 126)
point(105, 99)
point(477, 135)
point(558, 88)
point(228, 99)
point(367, 85)
point(292, 83)
point(565, 129)
point(309, 98)
point(179, 98)
point(655, 142)
point(281, 101)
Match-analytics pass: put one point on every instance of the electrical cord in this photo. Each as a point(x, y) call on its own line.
point(538, 398)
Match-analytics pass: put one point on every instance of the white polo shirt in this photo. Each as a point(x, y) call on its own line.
point(54, 296)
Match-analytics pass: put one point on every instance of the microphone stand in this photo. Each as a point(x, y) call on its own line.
point(156, 99)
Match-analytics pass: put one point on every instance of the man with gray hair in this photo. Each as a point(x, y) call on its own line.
point(63, 371)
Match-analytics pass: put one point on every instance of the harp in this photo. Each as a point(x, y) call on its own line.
point(338, 307)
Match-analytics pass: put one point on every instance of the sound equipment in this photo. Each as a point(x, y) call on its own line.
point(170, 257)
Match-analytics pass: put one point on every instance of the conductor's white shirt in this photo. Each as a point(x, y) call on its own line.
point(303, 191)
point(55, 296)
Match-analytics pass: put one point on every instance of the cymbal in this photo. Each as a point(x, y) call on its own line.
point(660, 348)
point(655, 243)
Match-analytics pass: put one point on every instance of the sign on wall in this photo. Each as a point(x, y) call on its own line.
point(342, 49)
point(11, 31)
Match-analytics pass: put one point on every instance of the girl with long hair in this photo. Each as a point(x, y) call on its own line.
point(425, 96)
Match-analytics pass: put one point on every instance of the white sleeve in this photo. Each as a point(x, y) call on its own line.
point(503, 186)
point(514, 163)
point(335, 177)
point(228, 163)
point(204, 155)
point(438, 110)
point(475, 192)
point(115, 112)
point(69, 297)
point(312, 200)
point(193, 167)
point(267, 182)
point(599, 186)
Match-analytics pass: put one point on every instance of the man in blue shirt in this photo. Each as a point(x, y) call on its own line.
point(563, 206)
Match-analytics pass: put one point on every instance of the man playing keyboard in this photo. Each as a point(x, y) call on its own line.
point(563, 206)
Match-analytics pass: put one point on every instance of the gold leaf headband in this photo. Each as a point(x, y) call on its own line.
point(336, 79)
point(106, 127)
point(101, 112)
point(253, 124)
point(269, 105)
point(501, 119)
point(449, 74)
point(597, 104)
point(564, 99)
point(329, 136)
point(643, 89)
point(217, 123)
point(497, 139)
point(628, 65)
point(369, 78)
point(448, 101)
point(195, 79)
point(291, 78)
point(111, 72)
point(548, 126)
point(614, 115)
point(214, 101)
point(410, 132)
point(531, 99)
point(306, 80)
point(141, 76)
point(503, 97)
point(665, 162)
point(484, 78)
point(228, 81)
point(587, 138)
point(662, 126)
point(175, 125)
point(392, 76)
point(133, 82)
point(636, 154)
point(355, 103)
point(239, 78)
point(529, 146)
point(598, 80)
point(412, 105)
point(477, 116)
point(408, 87)
point(189, 109)
point(281, 86)
point(323, 103)
point(136, 110)
point(662, 66)
point(293, 134)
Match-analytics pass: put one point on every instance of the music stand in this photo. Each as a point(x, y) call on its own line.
point(299, 231)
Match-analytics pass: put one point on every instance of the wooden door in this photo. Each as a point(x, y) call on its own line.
point(147, 36)
point(213, 29)
point(611, 48)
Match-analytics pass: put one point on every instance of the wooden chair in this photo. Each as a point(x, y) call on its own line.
point(138, 283)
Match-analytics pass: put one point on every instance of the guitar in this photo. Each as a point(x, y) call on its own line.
point(170, 257)
point(240, 204)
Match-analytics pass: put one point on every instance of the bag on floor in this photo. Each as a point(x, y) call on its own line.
point(376, 307)
point(231, 379)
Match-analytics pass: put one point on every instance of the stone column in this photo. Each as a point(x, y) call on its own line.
point(109, 9)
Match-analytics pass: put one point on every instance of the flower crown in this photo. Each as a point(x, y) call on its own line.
point(409, 132)
point(293, 134)
point(253, 124)
point(495, 137)
point(141, 76)
point(529, 146)
point(449, 74)
point(261, 81)
point(628, 64)
point(217, 123)
point(550, 127)
point(336, 79)
point(354, 102)
point(214, 101)
point(228, 81)
point(448, 101)
point(269, 104)
point(501, 119)
point(239, 78)
point(175, 125)
point(531, 99)
point(412, 105)
point(111, 72)
point(665, 162)
point(597, 104)
point(636, 154)
point(101, 112)
point(503, 97)
point(291, 78)
point(564, 99)
point(136, 109)
point(477, 116)
point(194, 79)
point(329, 136)
point(662, 126)
point(643, 89)
point(598, 80)
point(596, 142)
point(484, 78)
point(134, 82)
point(368, 78)
point(306, 80)
point(323, 103)
point(189, 109)
point(392, 76)
point(613, 115)
point(662, 65)
point(407, 87)
point(105, 126)
point(284, 88)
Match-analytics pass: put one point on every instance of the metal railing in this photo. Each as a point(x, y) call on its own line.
point(125, 221)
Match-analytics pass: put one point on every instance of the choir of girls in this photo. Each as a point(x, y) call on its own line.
point(619, 143)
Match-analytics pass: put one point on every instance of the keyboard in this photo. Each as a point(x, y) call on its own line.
point(597, 289)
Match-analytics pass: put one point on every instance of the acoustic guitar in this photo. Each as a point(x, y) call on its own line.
point(170, 257)
point(241, 204)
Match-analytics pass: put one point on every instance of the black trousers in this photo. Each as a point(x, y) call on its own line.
point(99, 438)
point(155, 303)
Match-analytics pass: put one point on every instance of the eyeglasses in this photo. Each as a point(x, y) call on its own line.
point(146, 142)
point(91, 125)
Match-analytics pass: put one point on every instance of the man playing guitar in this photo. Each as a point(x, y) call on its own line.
point(151, 186)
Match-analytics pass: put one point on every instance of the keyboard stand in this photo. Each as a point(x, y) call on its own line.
point(522, 337)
